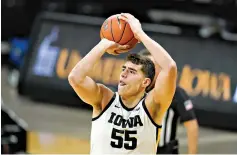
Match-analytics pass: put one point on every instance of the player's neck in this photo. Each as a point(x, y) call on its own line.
point(132, 101)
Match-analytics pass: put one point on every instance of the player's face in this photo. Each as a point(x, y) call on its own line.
point(132, 79)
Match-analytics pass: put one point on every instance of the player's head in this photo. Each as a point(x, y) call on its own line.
point(147, 54)
point(137, 74)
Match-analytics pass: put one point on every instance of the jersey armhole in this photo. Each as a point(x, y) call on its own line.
point(148, 114)
point(106, 107)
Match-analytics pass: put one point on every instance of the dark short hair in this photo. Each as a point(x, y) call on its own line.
point(148, 67)
point(146, 53)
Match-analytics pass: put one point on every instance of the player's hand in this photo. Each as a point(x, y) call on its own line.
point(134, 24)
point(113, 47)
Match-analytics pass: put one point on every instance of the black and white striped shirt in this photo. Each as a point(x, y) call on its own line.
point(180, 108)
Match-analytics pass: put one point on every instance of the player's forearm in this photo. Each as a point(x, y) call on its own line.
point(192, 143)
point(192, 133)
point(86, 64)
point(160, 55)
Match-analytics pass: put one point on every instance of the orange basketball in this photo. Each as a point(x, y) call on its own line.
point(118, 30)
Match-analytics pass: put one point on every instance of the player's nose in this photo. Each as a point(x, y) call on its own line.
point(124, 74)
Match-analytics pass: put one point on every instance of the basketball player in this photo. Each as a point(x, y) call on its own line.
point(127, 121)
point(181, 108)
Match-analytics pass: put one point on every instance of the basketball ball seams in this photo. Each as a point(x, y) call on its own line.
point(111, 29)
point(129, 40)
point(119, 31)
point(122, 32)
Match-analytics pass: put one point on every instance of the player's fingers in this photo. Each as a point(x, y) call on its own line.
point(128, 15)
point(112, 52)
point(121, 51)
point(123, 47)
point(123, 18)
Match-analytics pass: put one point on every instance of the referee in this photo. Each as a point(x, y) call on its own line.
point(181, 109)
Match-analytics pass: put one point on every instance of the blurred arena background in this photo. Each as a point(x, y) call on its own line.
point(42, 40)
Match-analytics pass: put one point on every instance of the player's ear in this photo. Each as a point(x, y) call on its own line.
point(146, 82)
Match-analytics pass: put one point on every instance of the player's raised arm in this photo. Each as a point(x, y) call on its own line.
point(165, 85)
point(85, 87)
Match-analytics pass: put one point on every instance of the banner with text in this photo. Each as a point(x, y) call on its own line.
point(207, 68)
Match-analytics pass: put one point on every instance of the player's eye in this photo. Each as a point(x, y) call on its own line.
point(131, 71)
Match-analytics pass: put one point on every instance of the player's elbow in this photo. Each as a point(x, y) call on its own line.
point(173, 66)
point(74, 79)
point(71, 79)
point(172, 69)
